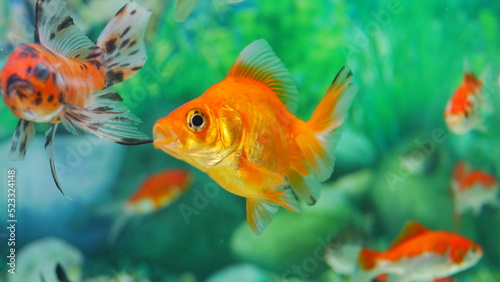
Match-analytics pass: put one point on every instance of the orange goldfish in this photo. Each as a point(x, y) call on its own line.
point(243, 134)
point(183, 8)
point(59, 77)
point(473, 189)
point(463, 111)
point(156, 192)
point(418, 254)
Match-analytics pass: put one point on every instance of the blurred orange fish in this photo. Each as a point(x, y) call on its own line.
point(58, 78)
point(156, 192)
point(473, 189)
point(183, 8)
point(418, 254)
point(243, 134)
point(464, 110)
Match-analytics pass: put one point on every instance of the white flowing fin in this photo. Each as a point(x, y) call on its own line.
point(49, 145)
point(122, 41)
point(55, 29)
point(258, 61)
point(183, 9)
point(107, 118)
point(21, 140)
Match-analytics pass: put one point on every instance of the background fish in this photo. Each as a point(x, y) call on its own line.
point(59, 77)
point(242, 133)
point(417, 254)
point(158, 191)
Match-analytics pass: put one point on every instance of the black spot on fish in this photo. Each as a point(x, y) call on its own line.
point(110, 45)
point(121, 10)
point(133, 12)
point(132, 141)
point(81, 67)
point(112, 96)
point(124, 43)
point(133, 52)
point(13, 78)
point(136, 68)
point(38, 94)
point(103, 109)
point(60, 99)
point(113, 77)
point(67, 22)
point(23, 54)
point(93, 55)
point(51, 98)
point(13, 108)
point(113, 65)
point(125, 65)
point(133, 43)
point(96, 63)
point(29, 70)
point(54, 77)
point(38, 101)
point(52, 36)
point(127, 29)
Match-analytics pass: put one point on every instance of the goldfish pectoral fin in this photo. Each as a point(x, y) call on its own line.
point(285, 198)
point(305, 192)
point(323, 131)
point(122, 41)
point(183, 9)
point(21, 140)
point(55, 29)
point(49, 146)
point(106, 117)
point(258, 61)
point(260, 212)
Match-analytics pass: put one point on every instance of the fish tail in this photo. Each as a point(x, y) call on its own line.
point(354, 261)
point(122, 41)
point(323, 130)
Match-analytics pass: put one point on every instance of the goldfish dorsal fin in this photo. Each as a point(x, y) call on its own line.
point(411, 230)
point(55, 29)
point(259, 62)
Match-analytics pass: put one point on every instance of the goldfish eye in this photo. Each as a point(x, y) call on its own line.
point(196, 120)
point(41, 72)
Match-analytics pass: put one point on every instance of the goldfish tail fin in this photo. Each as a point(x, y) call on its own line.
point(106, 117)
point(21, 140)
point(183, 9)
point(307, 193)
point(323, 129)
point(122, 41)
point(49, 146)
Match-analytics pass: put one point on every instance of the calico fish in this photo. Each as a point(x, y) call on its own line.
point(63, 77)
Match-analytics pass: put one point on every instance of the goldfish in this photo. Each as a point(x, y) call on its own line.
point(463, 111)
point(473, 189)
point(64, 78)
point(417, 254)
point(242, 132)
point(183, 8)
point(158, 191)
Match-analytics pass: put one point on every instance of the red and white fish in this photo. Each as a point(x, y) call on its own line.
point(418, 254)
point(183, 8)
point(473, 189)
point(464, 111)
point(59, 77)
point(155, 193)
